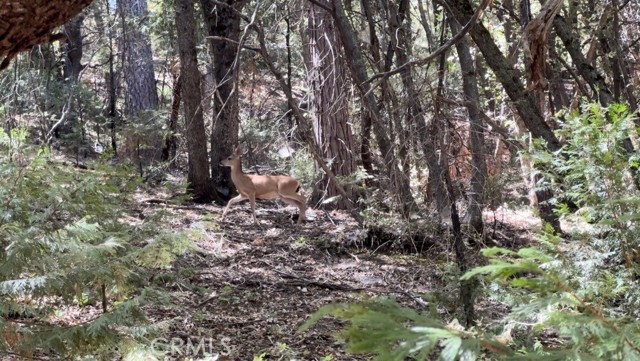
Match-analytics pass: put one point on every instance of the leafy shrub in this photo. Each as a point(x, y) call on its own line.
point(67, 242)
point(575, 299)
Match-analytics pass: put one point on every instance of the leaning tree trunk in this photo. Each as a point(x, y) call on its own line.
point(200, 185)
point(525, 103)
point(327, 75)
point(27, 23)
point(223, 25)
point(144, 137)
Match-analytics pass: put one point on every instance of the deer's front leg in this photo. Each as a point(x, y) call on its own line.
point(232, 201)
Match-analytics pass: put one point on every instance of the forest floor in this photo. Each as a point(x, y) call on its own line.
point(246, 289)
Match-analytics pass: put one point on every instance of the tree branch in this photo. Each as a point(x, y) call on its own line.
point(438, 51)
point(244, 46)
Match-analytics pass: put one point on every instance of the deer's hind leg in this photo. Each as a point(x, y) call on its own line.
point(252, 200)
point(298, 201)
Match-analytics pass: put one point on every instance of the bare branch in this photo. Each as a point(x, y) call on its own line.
point(244, 46)
point(438, 51)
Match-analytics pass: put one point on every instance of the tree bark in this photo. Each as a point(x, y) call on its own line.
point(223, 23)
point(73, 49)
point(590, 74)
point(327, 79)
point(171, 141)
point(141, 93)
point(26, 23)
point(110, 76)
point(200, 185)
point(144, 140)
point(428, 134)
point(526, 104)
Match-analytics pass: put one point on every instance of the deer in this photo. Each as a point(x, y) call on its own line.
point(252, 187)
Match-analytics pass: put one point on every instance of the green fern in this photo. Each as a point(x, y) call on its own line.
point(65, 239)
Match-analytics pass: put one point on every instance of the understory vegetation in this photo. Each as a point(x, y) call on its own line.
point(319, 180)
point(570, 297)
point(71, 241)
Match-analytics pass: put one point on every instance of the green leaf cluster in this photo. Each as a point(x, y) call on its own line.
point(67, 245)
point(392, 332)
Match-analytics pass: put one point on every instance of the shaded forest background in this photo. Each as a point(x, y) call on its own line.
point(417, 120)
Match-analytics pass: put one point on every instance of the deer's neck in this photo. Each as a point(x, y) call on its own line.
point(236, 171)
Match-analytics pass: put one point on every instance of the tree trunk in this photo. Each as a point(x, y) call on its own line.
point(591, 75)
point(330, 106)
point(428, 134)
point(110, 76)
point(171, 141)
point(476, 132)
point(200, 185)
point(224, 23)
point(434, 146)
point(71, 71)
point(27, 23)
point(144, 138)
point(355, 60)
point(141, 93)
point(73, 49)
point(525, 103)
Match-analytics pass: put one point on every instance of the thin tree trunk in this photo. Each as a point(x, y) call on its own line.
point(71, 72)
point(365, 133)
point(467, 287)
point(429, 135)
point(171, 141)
point(356, 63)
point(476, 132)
point(109, 76)
point(438, 162)
point(526, 104)
point(290, 122)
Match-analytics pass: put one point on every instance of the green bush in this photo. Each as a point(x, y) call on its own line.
point(569, 299)
point(67, 244)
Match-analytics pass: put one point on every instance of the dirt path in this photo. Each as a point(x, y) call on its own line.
point(248, 289)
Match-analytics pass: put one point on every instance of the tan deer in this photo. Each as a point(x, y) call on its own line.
point(252, 186)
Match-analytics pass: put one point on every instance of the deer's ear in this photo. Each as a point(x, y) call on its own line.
point(238, 150)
